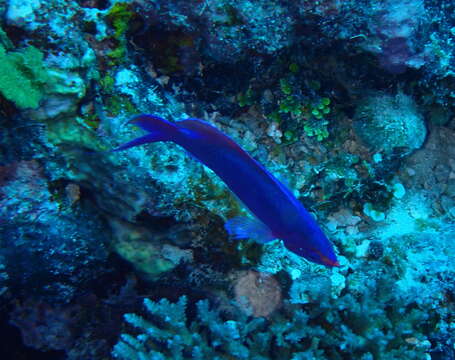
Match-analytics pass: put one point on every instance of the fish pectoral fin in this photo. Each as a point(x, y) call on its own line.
point(242, 227)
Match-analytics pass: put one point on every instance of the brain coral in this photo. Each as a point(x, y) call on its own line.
point(387, 123)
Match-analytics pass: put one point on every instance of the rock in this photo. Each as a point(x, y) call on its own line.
point(390, 123)
point(21, 13)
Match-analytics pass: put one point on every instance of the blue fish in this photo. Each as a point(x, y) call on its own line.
point(278, 214)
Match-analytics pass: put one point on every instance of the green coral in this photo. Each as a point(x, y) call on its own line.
point(74, 132)
point(317, 128)
point(290, 104)
point(23, 76)
point(107, 83)
point(285, 87)
point(246, 99)
point(316, 124)
point(117, 105)
point(302, 108)
point(120, 15)
point(118, 53)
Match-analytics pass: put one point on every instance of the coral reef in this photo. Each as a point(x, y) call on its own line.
point(388, 123)
point(42, 239)
point(23, 76)
point(348, 103)
point(359, 328)
point(257, 294)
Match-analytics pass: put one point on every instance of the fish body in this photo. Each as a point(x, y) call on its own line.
point(278, 214)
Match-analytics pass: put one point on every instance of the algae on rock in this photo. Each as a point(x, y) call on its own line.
point(23, 76)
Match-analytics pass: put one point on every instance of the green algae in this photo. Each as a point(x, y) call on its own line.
point(120, 15)
point(23, 76)
point(72, 132)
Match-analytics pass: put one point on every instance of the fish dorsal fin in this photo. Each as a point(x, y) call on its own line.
point(202, 129)
point(196, 124)
point(210, 134)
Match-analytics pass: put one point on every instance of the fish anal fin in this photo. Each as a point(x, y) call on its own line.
point(242, 227)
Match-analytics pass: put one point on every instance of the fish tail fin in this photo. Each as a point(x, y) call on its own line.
point(159, 130)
